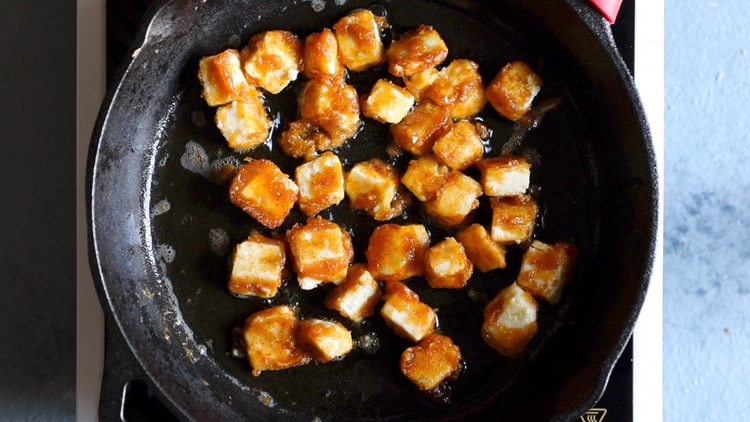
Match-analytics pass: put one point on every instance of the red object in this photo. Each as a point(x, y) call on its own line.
point(609, 8)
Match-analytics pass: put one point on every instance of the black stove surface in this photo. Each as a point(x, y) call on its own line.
point(127, 392)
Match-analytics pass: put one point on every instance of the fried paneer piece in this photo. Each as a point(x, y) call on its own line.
point(257, 264)
point(460, 147)
point(320, 182)
point(459, 88)
point(405, 314)
point(396, 252)
point(446, 265)
point(505, 176)
point(387, 102)
point(321, 252)
point(513, 218)
point(324, 340)
point(303, 139)
point(483, 252)
point(419, 129)
point(244, 124)
point(418, 83)
point(358, 36)
point(510, 321)
point(222, 79)
point(547, 269)
point(272, 59)
point(433, 360)
point(271, 340)
point(372, 186)
point(322, 55)
point(455, 199)
point(424, 177)
point(513, 90)
point(419, 49)
point(357, 296)
point(262, 190)
point(332, 105)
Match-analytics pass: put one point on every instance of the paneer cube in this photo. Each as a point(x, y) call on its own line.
point(272, 59)
point(510, 321)
point(460, 147)
point(459, 88)
point(454, 200)
point(358, 35)
point(483, 252)
point(245, 125)
point(505, 176)
point(424, 177)
point(262, 190)
point(303, 139)
point(320, 182)
point(387, 102)
point(322, 55)
point(222, 79)
point(418, 83)
point(372, 186)
point(324, 340)
point(433, 360)
point(513, 90)
point(405, 314)
point(417, 132)
point(321, 252)
point(357, 296)
point(513, 218)
point(446, 265)
point(271, 340)
point(547, 269)
point(419, 49)
point(396, 252)
point(257, 264)
point(332, 105)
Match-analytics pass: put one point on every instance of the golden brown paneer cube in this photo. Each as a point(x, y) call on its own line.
point(418, 83)
point(459, 88)
point(387, 102)
point(303, 139)
point(372, 186)
point(262, 190)
point(322, 55)
point(419, 129)
point(272, 59)
point(505, 176)
point(510, 321)
point(547, 269)
point(271, 340)
point(446, 265)
point(455, 199)
point(222, 79)
point(321, 252)
point(433, 360)
point(244, 124)
point(483, 252)
point(419, 49)
point(513, 90)
point(396, 252)
point(358, 35)
point(357, 296)
point(460, 147)
point(405, 314)
point(320, 182)
point(513, 218)
point(332, 105)
point(424, 177)
point(324, 340)
point(257, 264)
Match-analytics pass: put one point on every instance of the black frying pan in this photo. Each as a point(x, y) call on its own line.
point(163, 274)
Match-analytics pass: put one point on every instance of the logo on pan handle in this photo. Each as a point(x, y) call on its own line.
point(594, 415)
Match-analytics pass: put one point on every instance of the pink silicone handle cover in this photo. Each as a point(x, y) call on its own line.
point(609, 8)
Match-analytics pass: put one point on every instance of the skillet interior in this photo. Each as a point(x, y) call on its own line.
point(174, 284)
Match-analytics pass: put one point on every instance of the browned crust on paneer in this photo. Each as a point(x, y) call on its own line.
point(315, 336)
point(387, 102)
point(433, 360)
point(418, 83)
point(459, 88)
point(424, 177)
point(272, 196)
point(358, 36)
point(446, 265)
point(460, 147)
point(496, 170)
point(254, 285)
point(303, 139)
point(222, 79)
point(455, 199)
point(513, 218)
point(372, 186)
point(333, 105)
point(547, 269)
point(321, 55)
point(397, 252)
point(484, 253)
point(513, 90)
point(272, 59)
point(244, 124)
point(354, 282)
point(416, 50)
point(322, 188)
point(407, 304)
point(417, 132)
point(270, 337)
point(311, 236)
point(508, 340)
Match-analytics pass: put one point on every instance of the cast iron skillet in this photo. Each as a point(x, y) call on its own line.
point(162, 269)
